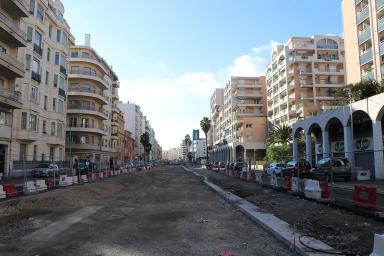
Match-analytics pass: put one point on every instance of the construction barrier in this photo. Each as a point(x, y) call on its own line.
point(2, 192)
point(75, 179)
point(101, 175)
point(29, 188)
point(312, 189)
point(365, 197)
point(69, 180)
point(259, 178)
point(49, 183)
point(325, 189)
point(63, 181)
point(295, 185)
point(84, 178)
point(243, 175)
point(287, 183)
point(378, 245)
point(10, 190)
point(273, 181)
point(40, 185)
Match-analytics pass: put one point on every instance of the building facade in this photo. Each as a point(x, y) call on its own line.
point(217, 110)
point(302, 77)
point(93, 118)
point(171, 154)
point(363, 22)
point(199, 149)
point(129, 144)
point(244, 120)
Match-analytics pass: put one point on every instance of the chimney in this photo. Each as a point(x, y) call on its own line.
point(87, 41)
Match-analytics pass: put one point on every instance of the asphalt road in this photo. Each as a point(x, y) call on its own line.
point(162, 212)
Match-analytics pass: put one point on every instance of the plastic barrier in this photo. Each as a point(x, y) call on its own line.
point(325, 189)
point(49, 183)
point(10, 190)
point(273, 181)
point(237, 174)
point(264, 179)
point(243, 175)
point(251, 176)
point(63, 181)
point(365, 197)
point(363, 175)
point(40, 185)
point(101, 175)
point(232, 173)
point(29, 188)
point(378, 246)
point(259, 178)
point(287, 183)
point(295, 185)
point(312, 189)
point(227, 254)
point(84, 178)
point(2, 193)
point(75, 179)
point(69, 180)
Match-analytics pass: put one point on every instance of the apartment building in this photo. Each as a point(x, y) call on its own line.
point(199, 149)
point(171, 154)
point(244, 121)
point(135, 124)
point(363, 22)
point(38, 126)
point(119, 130)
point(302, 77)
point(93, 118)
point(129, 143)
point(13, 38)
point(217, 108)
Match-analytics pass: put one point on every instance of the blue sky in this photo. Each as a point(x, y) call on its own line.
point(171, 54)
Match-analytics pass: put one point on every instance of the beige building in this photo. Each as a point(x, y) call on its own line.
point(302, 77)
point(93, 118)
point(12, 39)
point(244, 121)
point(363, 22)
point(38, 127)
point(217, 110)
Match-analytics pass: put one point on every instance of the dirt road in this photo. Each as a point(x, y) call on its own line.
point(163, 212)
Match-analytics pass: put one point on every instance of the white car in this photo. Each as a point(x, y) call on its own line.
point(45, 170)
point(274, 168)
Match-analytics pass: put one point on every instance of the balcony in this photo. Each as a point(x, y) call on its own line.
point(87, 110)
point(17, 7)
point(88, 93)
point(10, 99)
point(36, 76)
point(62, 93)
point(366, 57)
point(87, 74)
point(364, 36)
point(37, 49)
point(363, 15)
point(11, 32)
point(328, 71)
point(329, 58)
point(114, 136)
point(357, 2)
point(114, 122)
point(115, 95)
point(63, 70)
point(300, 58)
point(88, 129)
point(116, 84)
point(115, 109)
point(379, 4)
point(10, 67)
point(305, 72)
point(369, 75)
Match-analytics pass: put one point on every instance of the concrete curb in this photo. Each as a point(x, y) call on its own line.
point(279, 228)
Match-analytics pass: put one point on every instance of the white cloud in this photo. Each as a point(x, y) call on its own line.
point(175, 105)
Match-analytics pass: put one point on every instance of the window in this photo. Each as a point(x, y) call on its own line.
point(60, 130)
point(61, 106)
point(48, 54)
point(50, 31)
point(27, 62)
point(42, 157)
point(29, 34)
point(45, 102)
point(85, 123)
point(34, 152)
point(248, 126)
point(40, 13)
point(23, 152)
point(74, 54)
point(55, 80)
point(57, 58)
point(65, 39)
point(52, 154)
point(36, 66)
point(86, 55)
point(53, 129)
point(58, 36)
point(33, 122)
point(5, 118)
point(23, 120)
point(35, 95)
point(62, 83)
point(73, 122)
point(38, 39)
point(32, 7)
point(54, 104)
point(44, 127)
point(46, 77)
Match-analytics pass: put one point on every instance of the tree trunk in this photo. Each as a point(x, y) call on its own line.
point(206, 147)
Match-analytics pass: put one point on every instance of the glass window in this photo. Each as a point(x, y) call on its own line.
point(74, 54)
point(59, 130)
point(62, 83)
point(24, 120)
point(29, 34)
point(44, 126)
point(27, 62)
point(50, 31)
point(61, 106)
point(48, 54)
point(54, 104)
point(40, 12)
point(33, 122)
point(38, 39)
point(55, 80)
point(35, 95)
point(36, 66)
point(46, 77)
point(65, 39)
point(23, 152)
point(34, 152)
point(58, 36)
point(32, 6)
point(45, 102)
point(57, 58)
point(53, 129)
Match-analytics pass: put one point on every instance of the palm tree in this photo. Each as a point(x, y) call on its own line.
point(205, 125)
point(187, 142)
point(282, 134)
point(144, 140)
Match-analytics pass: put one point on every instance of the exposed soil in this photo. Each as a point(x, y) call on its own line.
point(341, 229)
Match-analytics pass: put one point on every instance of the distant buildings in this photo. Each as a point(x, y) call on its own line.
point(171, 154)
point(199, 149)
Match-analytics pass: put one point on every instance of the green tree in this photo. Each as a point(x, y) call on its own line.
point(279, 153)
point(282, 134)
point(359, 91)
point(187, 142)
point(144, 140)
point(205, 125)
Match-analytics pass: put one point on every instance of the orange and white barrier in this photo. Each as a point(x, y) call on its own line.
point(2, 192)
point(273, 181)
point(295, 185)
point(75, 179)
point(29, 188)
point(84, 178)
point(40, 185)
point(63, 181)
point(312, 189)
point(69, 180)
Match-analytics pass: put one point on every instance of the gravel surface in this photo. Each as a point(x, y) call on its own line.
point(161, 212)
point(340, 229)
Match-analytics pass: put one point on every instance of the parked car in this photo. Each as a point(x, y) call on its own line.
point(232, 166)
point(45, 170)
point(274, 168)
point(297, 168)
point(338, 167)
point(222, 165)
point(238, 166)
point(215, 166)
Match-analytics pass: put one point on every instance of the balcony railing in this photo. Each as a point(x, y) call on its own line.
point(85, 72)
point(357, 2)
point(37, 49)
point(62, 92)
point(368, 76)
point(87, 91)
point(89, 126)
point(13, 27)
point(365, 35)
point(63, 70)
point(366, 57)
point(379, 4)
point(361, 16)
point(11, 94)
point(78, 106)
point(381, 48)
point(36, 76)
point(380, 25)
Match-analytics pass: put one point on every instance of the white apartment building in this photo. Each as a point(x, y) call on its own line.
point(171, 154)
point(217, 108)
point(199, 149)
point(302, 77)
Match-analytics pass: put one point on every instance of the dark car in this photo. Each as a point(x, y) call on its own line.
point(238, 166)
point(337, 167)
point(232, 166)
point(222, 165)
point(208, 165)
point(83, 166)
point(300, 169)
